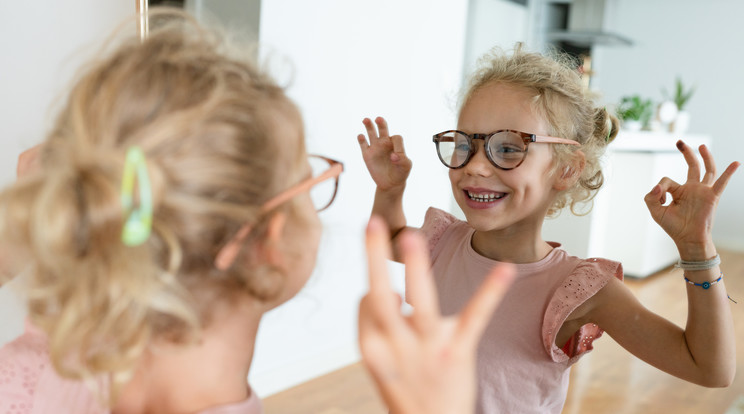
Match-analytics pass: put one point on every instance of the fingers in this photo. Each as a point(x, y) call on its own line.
point(371, 130)
point(363, 144)
point(659, 192)
point(723, 180)
point(474, 317)
point(693, 170)
point(656, 199)
point(710, 168)
point(710, 165)
point(421, 292)
point(382, 302)
point(382, 127)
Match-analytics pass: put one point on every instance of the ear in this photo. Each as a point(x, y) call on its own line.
point(270, 248)
point(570, 173)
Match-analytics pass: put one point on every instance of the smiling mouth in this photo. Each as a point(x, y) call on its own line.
point(485, 197)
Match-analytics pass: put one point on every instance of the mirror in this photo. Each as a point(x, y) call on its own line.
point(407, 60)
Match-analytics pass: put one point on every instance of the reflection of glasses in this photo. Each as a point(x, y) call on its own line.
point(506, 149)
point(322, 192)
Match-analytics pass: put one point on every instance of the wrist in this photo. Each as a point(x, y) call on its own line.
point(697, 252)
point(391, 193)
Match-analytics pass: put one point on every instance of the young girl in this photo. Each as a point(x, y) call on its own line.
point(527, 144)
point(166, 212)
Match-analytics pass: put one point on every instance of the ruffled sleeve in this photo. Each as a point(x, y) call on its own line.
point(436, 222)
point(588, 278)
point(30, 385)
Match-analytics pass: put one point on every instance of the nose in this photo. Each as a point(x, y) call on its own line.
point(479, 164)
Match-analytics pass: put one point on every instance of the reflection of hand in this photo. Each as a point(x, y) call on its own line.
point(28, 161)
point(422, 363)
point(384, 156)
point(688, 219)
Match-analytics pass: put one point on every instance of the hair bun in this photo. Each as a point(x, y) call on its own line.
point(606, 126)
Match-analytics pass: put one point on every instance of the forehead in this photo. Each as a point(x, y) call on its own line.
point(497, 106)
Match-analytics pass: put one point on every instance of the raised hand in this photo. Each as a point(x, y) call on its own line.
point(688, 219)
point(422, 363)
point(384, 155)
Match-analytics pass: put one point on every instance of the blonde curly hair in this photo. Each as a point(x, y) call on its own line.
point(569, 109)
point(205, 120)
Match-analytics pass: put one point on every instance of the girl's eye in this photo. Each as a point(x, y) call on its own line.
point(464, 147)
point(507, 149)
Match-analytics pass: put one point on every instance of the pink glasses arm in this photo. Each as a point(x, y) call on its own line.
point(554, 140)
point(226, 256)
point(332, 172)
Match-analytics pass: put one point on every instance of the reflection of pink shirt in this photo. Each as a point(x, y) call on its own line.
point(520, 369)
point(30, 385)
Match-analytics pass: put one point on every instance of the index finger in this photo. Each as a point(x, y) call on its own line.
point(420, 289)
point(380, 291)
point(475, 316)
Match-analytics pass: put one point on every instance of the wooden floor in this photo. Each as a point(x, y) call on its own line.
point(607, 380)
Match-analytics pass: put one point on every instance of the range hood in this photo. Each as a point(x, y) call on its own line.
point(585, 26)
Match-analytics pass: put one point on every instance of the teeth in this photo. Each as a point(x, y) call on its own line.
point(485, 197)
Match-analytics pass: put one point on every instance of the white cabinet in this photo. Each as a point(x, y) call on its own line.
point(619, 227)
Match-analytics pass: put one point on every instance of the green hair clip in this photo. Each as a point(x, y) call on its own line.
point(138, 223)
point(607, 138)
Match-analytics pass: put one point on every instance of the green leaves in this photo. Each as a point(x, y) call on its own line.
point(681, 96)
point(634, 108)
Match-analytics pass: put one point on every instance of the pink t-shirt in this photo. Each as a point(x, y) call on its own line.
point(30, 385)
point(520, 369)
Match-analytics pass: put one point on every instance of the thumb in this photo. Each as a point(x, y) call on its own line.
point(398, 144)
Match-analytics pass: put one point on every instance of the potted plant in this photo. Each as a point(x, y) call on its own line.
point(635, 112)
point(680, 98)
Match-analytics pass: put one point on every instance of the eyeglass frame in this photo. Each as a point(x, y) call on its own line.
point(527, 138)
point(229, 252)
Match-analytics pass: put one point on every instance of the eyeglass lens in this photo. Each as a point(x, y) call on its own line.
point(506, 149)
point(323, 193)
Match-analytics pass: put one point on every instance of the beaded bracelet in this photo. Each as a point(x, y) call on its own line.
point(707, 285)
point(704, 285)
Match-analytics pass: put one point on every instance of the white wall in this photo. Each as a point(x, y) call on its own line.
point(42, 43)
point(701, 42)
point(493, 23)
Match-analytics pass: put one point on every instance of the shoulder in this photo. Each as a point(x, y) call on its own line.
point(436, 224)
point(22, 363)
point(27, 377)
point(574, 298)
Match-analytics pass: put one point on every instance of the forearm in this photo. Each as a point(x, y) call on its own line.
point(388, 205)
point(709, 333)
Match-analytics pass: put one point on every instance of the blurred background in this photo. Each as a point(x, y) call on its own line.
point(343, 60)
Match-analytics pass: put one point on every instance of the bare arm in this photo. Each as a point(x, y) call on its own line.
point(705, 351)
point(386, 160)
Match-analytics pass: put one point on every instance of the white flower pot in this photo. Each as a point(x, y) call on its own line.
point(681, 122)
point(631, 125)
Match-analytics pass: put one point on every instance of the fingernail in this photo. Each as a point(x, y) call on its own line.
point(680, 145)
point(655, 190)
point(394, 157)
